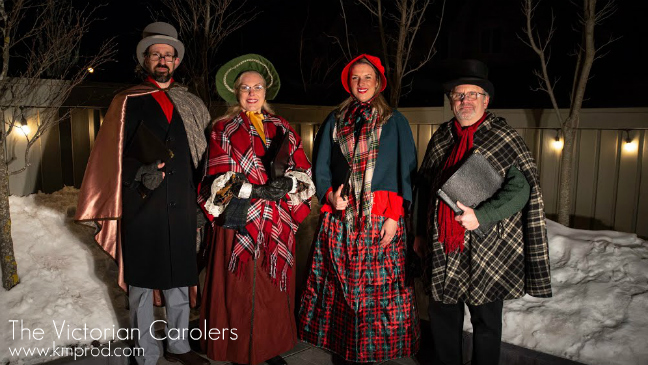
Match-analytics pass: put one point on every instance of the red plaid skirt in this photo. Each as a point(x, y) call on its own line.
point(356, 303)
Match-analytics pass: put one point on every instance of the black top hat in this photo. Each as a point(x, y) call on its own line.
point(469, 72)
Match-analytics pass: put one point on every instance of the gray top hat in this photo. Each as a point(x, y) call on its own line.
point(159, 33)
point(471, 72)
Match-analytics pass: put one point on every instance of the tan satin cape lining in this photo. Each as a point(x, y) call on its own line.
point(100, 195)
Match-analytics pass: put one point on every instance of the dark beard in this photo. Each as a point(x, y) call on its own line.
point(160, 77)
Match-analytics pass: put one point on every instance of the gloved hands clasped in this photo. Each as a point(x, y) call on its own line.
point(150, 175)
point(273, 190)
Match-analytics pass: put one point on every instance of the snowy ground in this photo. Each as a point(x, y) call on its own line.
point(597, 315)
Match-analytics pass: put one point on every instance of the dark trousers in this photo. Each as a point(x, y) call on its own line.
point(446, 322)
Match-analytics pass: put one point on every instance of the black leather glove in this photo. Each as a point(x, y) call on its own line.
point(273, 190)
point(149, 175)
point(235, 215)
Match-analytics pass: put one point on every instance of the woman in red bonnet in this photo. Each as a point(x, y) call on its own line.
point(356, 303)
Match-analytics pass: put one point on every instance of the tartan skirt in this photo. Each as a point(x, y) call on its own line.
point(356, 303)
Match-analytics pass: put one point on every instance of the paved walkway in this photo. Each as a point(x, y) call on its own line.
point(305, 354)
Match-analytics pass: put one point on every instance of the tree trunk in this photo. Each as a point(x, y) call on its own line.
point(395, 92)
point(565, 184)
point(9, 266)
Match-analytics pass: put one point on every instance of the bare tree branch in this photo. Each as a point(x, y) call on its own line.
point(203, 26)
point(346, 31)
point(407, 17)
point(539, 46)
point(586, 53)
point(48, 35)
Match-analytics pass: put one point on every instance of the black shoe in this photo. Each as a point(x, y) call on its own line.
point(277, 360)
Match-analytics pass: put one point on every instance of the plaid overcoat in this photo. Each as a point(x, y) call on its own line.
point(513, 258)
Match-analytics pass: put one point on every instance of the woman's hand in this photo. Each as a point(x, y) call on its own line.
point(388, 231)
point(468, 219)
point(336, 200)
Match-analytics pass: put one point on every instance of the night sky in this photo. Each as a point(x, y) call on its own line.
point(618, 79)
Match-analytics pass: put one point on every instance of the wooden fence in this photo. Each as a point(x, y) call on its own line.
point(610, 189)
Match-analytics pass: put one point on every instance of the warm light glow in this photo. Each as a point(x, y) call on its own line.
point(24, 129)
point(90, 70)
point(630, 146)
point(557, 144)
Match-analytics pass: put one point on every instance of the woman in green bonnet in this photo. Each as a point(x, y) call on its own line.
point(256, 190)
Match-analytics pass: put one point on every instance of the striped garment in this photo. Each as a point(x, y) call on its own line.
point(356, 302)
point(361, 154)
point(513, 259)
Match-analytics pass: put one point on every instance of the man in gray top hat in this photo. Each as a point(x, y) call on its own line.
point(145, 201)
point(464, 268)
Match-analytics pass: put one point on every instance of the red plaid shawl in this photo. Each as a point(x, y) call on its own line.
point(271, 226)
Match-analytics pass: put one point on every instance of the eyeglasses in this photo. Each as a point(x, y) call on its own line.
point(470, 95)
point(247, 89)
point(156, 57)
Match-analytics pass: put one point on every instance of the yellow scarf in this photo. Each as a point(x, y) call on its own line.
point(257, 121)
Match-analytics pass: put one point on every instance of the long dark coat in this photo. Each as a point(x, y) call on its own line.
point(158, 232)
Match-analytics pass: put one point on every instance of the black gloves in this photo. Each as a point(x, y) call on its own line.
point(273, 189)
point(235, 215)
point(149, 175)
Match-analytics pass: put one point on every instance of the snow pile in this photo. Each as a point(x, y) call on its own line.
point(598, 312)
point(597, 315)
point(66, 282)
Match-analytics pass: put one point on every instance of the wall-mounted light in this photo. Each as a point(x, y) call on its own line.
point(629, 145)
point(24, 127)
point(557, 143)
point(90, 70)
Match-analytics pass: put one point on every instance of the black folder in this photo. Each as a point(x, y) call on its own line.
point(474, 181)
point(146, 147)
point(279, 163)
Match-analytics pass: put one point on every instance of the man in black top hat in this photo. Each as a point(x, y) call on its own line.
point(512, 258)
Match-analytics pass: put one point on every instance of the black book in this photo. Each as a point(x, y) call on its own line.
point(146, 147)
point(279, 162)
point(474, 181)
point(340, 171)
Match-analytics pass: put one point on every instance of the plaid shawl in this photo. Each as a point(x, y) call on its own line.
point(361, 156)
point(271, 226)
point(513, 259)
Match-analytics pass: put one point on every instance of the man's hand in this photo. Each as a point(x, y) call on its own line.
point(388, 231)
point(468, 219)
point(150, 175)
point(420, 246)
point(336, 200)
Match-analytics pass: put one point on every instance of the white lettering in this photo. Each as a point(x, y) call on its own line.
point(58, 332)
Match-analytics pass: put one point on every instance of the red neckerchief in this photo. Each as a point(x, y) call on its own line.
point(162, 99)
point(451, 233)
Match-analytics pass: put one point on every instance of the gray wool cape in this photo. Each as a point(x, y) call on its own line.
point(513, 258)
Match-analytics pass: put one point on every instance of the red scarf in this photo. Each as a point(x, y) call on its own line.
point(162, 99)
point(451, 233)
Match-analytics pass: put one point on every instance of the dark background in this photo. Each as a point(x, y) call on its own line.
point(487, 30)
